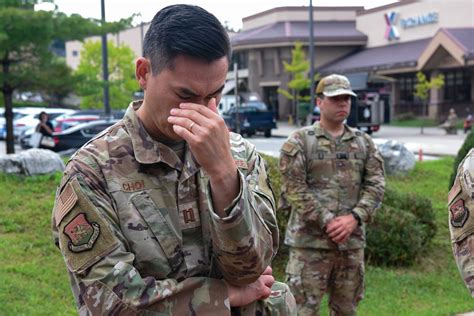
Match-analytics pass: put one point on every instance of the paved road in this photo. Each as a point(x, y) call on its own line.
point(433, 142)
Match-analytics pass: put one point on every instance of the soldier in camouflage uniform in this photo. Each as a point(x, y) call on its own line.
point(332, 183)
point(165, 212)
point(461, 219)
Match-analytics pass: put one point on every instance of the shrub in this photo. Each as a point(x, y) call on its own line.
point(466, 146)
point(406, 116)
point(402, 227)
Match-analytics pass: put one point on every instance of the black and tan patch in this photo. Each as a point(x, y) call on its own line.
point(459, 213)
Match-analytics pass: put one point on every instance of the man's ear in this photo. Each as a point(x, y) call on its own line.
point(142, 71)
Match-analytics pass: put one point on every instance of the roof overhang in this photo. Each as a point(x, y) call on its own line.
point(441, 45)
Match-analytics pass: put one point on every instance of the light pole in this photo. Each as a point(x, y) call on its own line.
point(311, 54)
point(105, 66)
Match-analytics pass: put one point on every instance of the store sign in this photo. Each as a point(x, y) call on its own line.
point(429, 18)
point(391, 21)
point(391, 31)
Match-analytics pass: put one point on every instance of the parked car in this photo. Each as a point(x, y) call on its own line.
point(18, 113)
point(252, 119)
point(31, 120)
point(77, 136)
point(65, 122)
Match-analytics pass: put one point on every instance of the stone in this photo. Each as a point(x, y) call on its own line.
point(31, 162)
point(397, 158)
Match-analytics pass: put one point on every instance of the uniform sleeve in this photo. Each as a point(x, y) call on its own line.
point(463, 251)
point(295, 189)
point(245, 242)
point(373, 184)
point(102, 271)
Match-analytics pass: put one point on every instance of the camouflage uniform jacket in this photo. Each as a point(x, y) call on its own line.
point(461, 221)
point(323, 178)
point(138, 232)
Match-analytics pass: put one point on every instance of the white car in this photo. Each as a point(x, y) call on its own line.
point(18, 113)
point(31, 120)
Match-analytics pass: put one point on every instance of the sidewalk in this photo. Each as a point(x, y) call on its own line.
point(432, 142)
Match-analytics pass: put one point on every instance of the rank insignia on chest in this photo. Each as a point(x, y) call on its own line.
point(459, 213)
point(189, 216)
point(82, 234)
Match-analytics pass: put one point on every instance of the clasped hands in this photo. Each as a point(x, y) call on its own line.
point(340, 228)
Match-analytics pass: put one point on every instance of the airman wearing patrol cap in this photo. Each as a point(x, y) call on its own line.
point(332, 183)
point(461, 219)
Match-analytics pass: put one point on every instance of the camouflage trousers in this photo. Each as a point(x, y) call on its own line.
point(313, 272)
point(280, 303)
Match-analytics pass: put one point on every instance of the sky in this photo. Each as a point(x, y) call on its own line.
point(231, 11)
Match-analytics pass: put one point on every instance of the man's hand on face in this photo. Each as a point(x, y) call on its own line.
point(208, 138)
point(207, 135)
point(258, 290)
point(340, 228)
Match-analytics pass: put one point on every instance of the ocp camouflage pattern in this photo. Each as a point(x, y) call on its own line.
point(461, 219)
point(162, 249)
point(323, 178)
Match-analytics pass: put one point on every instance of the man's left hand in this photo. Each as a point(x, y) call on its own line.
point(208, 137)
point(340, 228)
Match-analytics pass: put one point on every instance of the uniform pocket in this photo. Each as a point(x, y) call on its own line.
point(160, 228)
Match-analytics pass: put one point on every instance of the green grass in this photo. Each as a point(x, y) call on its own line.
point(433, 285)
point(33, 278)
point(417, 122)
point(32, 273)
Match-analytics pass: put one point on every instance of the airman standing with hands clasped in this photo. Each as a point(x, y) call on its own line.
point(333, 181)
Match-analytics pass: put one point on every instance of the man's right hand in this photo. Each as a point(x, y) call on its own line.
point(258, 290)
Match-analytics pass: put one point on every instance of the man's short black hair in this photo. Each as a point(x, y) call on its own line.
point(184, 30)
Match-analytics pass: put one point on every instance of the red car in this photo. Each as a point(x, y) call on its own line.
point(65, 123)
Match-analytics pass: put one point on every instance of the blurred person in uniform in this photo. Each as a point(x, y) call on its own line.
point(166, 212)
point(461, 219)
point(332, 184)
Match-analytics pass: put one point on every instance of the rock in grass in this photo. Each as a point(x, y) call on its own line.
point(31, 162)
point(397, 158)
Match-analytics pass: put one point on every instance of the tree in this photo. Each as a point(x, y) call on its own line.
point(122, 83)
point(25, 39)
point(57, 81)
point(423, 87)
point(298, 70)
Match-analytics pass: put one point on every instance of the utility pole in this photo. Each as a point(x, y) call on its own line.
point(105, 65)
point(311, 55)
point(237, 103)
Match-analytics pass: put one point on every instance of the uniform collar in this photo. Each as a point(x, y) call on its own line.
point(319, 131)
point(146, 150)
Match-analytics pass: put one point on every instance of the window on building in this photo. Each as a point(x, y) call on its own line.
point(407, 88)
point(457, 85)
point(75, 53)
point(241, 58)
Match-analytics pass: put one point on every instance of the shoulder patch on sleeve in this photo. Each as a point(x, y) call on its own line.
point(64, 203)
point(289, 148)
point(84, 235)
point(455, 190)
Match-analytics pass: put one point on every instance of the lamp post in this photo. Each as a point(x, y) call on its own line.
point(105, 66)
point(311, 54)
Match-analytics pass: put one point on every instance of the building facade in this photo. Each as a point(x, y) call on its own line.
point(379, 49)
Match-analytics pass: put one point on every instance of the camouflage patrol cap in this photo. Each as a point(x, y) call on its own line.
point(333, 85)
